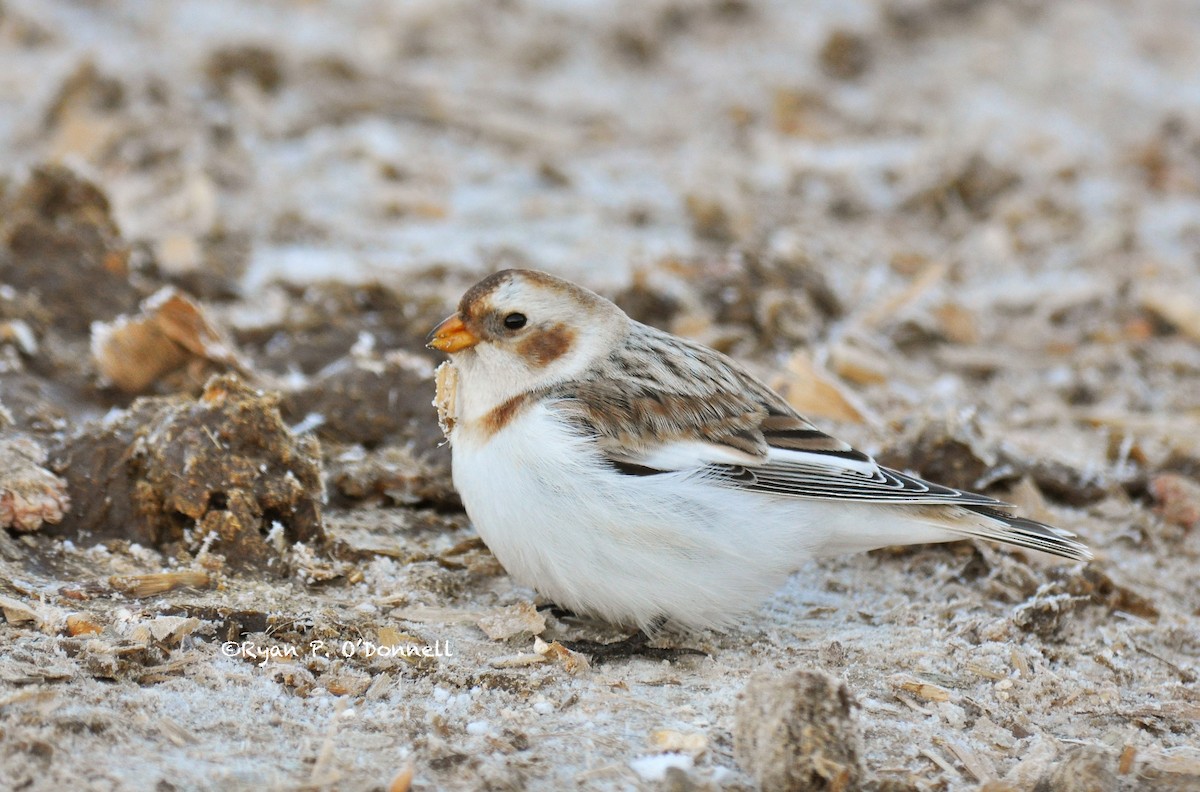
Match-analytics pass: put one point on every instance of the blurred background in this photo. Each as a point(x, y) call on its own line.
point(307, 139)
point(920, 193)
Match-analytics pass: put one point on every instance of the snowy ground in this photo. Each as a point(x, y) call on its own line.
point(976, 222)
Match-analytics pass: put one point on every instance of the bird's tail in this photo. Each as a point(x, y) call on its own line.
point(982, 522)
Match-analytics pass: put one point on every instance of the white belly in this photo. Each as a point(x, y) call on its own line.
point(630, 549)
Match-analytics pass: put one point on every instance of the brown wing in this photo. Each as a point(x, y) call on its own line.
point(660, 403)
point(657, 390)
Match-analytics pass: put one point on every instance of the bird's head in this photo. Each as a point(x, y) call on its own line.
point(518, 330)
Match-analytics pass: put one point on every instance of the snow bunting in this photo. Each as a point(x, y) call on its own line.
point(632, 475)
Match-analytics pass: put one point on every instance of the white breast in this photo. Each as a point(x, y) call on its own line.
point(627, 548)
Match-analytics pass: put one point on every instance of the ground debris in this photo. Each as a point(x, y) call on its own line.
point(845, 55)
point(1177, 306)
point(220, 473)
point(1045, 612)
point(17, 612)
point(956, 453)
point(873, 185)
point(693, 744)
point(1082, 769)
point(572, 662)
point(30, 495)
point(781, 299)
point(714, 219)
point(252, 63)
point(83, 118)
point(950, 453)
point(23, 322)
point(63, 244)
point(816, 392)
point(158, 583)
point(971, 181)
point(172, 332)
point(795, 731)
point(1176, 500)
point(370, 401)
point(513, 621)
point(1093, 582)
point(394, 473)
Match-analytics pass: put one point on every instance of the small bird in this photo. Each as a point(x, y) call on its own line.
point(629, 474)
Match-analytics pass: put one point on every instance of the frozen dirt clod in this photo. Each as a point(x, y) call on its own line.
point(777, 300)
point(950, 453)
point(1083, 769)
point(795, 731)
point(370, 401)
point(394, 474)
point(845, 55)
point(29, 494)
point(216, 473)
point(1045, 612)
point(382, 407)
point(1176, 500)
point(63, 244)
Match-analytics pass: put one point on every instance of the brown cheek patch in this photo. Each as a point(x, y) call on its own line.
point(548, 345)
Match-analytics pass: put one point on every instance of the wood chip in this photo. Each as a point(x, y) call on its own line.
point(78, 624)
point(926, 691)
point(17, 612)
point(1176, 499)
point(506, 623)
point(134, 352)
point(347, 683)
point(175, 732)
point(858, 365)
point(980, 670)
point(945, 766)
point(1020, 663)
point(389, 636)
point(170, 629)
point(152, 585)
point(975, 764)
point(402, 781)
point(889, 307)
point(519, 660)
point(1127, 756)
point(957, 323)
point(573, 662)
point(1178, 307)
point(815, 392)
point(425, 614)
point(671, 741)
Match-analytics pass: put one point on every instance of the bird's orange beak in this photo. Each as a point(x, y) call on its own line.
point(451, 336)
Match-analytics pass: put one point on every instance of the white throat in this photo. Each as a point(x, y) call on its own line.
point(490, 376)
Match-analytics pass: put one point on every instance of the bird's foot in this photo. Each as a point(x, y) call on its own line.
point(636, 645)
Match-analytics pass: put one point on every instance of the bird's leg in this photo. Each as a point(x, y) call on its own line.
point(635, 645)
point(556, 611)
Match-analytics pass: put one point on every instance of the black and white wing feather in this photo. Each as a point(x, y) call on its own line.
point(660, 404)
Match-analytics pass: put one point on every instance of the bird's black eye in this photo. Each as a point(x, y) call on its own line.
point(514, 321)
